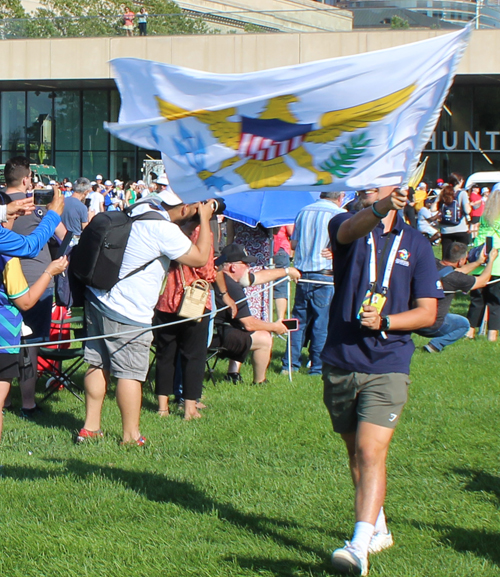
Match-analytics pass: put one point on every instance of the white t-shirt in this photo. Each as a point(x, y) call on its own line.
point(423, 223)
point(96, 198)
point(135, 297)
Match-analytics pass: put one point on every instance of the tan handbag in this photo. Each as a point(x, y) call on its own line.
point(194, 299)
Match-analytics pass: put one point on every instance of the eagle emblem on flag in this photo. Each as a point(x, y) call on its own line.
point(262, 146)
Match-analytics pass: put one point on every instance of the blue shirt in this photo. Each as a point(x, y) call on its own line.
point(357, 349)
point(13, 244)
point(311, 234)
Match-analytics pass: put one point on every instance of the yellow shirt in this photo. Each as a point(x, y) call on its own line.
point(14, 279)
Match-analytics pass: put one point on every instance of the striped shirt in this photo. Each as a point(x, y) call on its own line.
point(311, 234)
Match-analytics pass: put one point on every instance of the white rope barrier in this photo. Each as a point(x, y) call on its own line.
point(137, 332)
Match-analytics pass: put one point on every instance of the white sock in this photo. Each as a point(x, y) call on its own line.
point(363, 532)
point(381, 523)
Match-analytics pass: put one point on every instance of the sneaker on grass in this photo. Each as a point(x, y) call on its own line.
point(380, 541)
point(350, 561)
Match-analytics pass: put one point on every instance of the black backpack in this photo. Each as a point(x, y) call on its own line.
point(97, 258)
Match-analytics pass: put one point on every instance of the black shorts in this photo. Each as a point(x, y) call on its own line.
point(474, 219)
point(9, 366)
point(236, 342)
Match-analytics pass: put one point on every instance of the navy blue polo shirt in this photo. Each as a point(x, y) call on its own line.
point(352, 347)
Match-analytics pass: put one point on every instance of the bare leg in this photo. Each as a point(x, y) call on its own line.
point(129, 399)
point(492, 336)
point(281, 308)
point(4, 391)
point(163, 410)
point(95, 390)
point(190, 410)
point(262, 343)
point(368, 469)
point(471, 333)
point(233, 367)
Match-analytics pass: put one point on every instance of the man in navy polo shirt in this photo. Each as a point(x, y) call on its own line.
point(386, 286)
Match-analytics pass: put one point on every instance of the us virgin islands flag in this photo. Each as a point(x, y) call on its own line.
point(340, 124)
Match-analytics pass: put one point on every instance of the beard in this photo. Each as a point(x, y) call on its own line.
point(245, 280)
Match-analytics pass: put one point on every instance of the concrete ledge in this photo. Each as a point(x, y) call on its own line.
point(88, 58)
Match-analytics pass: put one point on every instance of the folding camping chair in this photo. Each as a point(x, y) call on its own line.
point(52, 358)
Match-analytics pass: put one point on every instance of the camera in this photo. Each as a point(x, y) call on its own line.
point(43, 197)
point(219, 205)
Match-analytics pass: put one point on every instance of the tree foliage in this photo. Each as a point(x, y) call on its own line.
point(88, 18)
point(398, 23)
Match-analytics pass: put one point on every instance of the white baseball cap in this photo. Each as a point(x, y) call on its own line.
point(98, 177)
point(68, 184)
point(93, 182)
point(117, 181)
point(141, 182)
point(163, 179)
point(52, 182)
point(108, 183)
point(169, 197)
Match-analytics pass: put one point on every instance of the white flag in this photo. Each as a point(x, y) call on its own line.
point(341, 124)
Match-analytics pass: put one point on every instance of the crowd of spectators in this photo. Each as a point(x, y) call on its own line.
point(183, 246)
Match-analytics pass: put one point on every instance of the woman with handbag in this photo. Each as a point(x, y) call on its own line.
point(186, 287)
point(489, 296)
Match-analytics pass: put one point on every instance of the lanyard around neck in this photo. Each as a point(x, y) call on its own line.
point(388, 266)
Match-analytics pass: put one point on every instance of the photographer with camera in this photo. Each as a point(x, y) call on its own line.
point(130, 304)
point(386, 286)
point(186, 339)
point(38, 318)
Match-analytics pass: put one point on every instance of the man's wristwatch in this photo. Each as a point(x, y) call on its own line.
point(385, 323)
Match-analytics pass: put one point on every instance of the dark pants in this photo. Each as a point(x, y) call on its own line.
point(143, 28)
point(190, 339)
point(447, 239)
point(479, 299)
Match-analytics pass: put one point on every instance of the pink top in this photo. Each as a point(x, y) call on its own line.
point(474, 197)
point(128, 18)
point(282, 240)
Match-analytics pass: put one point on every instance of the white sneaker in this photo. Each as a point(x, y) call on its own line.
point(349, 560)
point(380, 541)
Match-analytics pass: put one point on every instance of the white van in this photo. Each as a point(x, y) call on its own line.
point(483, 179)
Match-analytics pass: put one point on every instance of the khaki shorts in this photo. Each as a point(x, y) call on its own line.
point(354, 397)
point(125, 357)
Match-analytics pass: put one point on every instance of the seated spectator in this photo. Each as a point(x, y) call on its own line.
point(453, 270)
point(245, 333)
point(424, 220)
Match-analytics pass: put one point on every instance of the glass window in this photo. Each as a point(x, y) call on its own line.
point(116, 143)
point(487, 114)
point(95, 113)
point(12, 124)
point(93, 163)
point(67, 115)
point(39, 127)
point(122, 165)
point(67, 164)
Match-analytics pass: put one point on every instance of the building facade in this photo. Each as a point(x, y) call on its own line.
point(55, 95)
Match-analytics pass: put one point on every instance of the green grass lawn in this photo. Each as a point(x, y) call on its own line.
point(260, 485)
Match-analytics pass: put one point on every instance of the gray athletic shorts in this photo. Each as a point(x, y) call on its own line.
point(353, 397)
point(125, 357)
